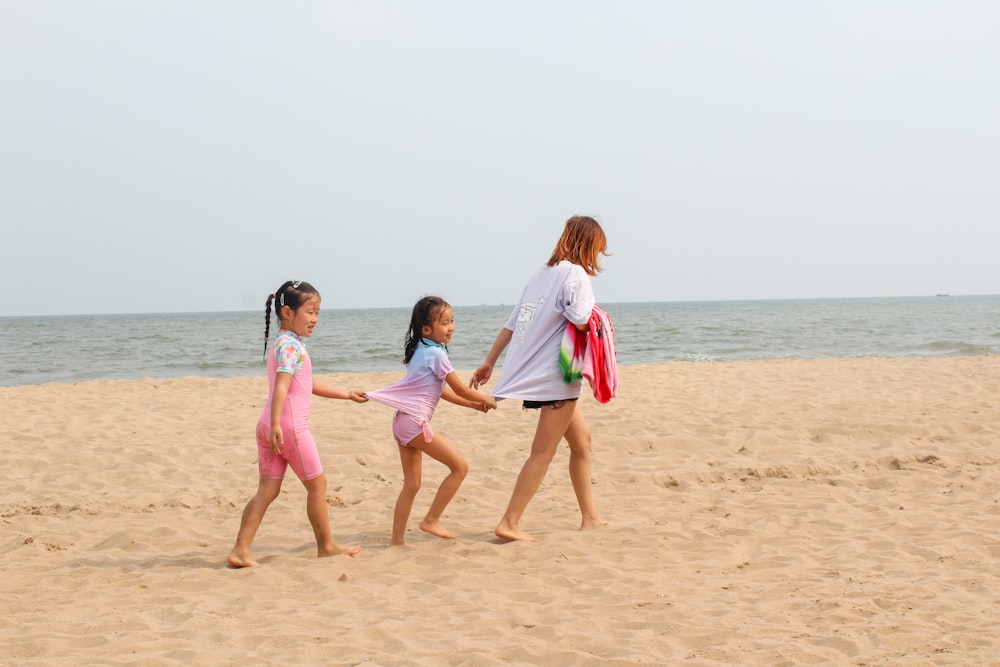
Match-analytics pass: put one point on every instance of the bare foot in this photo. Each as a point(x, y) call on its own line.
point(399, 543)
point(591, 523)
point(337, 550)
point(240, 560)
point(435, 528)
point(505, 532)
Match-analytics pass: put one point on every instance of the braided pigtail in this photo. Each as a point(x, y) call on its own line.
point(267, 322)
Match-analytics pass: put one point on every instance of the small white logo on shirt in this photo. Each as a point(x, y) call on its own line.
point(527, 314)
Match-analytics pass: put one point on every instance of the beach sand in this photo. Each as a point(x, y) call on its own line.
point(788, 512)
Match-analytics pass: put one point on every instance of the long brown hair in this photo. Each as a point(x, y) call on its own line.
point(582, 243)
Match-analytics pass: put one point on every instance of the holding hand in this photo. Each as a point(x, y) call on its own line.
point(357, 396)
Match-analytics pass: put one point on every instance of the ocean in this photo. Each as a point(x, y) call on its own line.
point(228, 344)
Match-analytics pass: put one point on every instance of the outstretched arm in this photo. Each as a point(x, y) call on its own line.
point(329, 391)
point(483, 373)
point(456, 392)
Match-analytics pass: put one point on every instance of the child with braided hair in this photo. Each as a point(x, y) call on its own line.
point(283, 436)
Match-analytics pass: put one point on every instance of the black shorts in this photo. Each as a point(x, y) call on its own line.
point(534, 405)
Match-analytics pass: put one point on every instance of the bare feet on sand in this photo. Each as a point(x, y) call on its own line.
point(435, 528)
point(337, 550)
point(240, 560)
point(506, 532)
point(237, 559)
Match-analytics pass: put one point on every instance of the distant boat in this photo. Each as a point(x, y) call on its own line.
point(943, 295)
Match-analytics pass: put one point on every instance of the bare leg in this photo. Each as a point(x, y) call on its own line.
point(443, 451)
point(552, 425)
point(409, 458)
point(578, 437)
point(253, 514)
point(319, 517)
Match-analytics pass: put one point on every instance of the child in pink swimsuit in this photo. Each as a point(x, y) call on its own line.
point(429, 377)
point(283, 436)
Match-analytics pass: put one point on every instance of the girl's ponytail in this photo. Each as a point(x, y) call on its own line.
point(267, 322)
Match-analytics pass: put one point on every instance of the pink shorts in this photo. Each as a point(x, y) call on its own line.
point(298, 451)
point(406, 427)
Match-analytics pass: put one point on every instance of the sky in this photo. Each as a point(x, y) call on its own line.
point(191, 155)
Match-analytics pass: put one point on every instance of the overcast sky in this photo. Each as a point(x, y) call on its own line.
point(165, 156)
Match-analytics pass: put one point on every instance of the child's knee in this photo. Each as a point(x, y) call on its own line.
point(268, 489)
point(317, 484)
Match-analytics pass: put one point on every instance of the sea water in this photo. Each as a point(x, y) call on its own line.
point(228, 344)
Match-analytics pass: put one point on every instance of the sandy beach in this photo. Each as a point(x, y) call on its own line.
point(840, 512)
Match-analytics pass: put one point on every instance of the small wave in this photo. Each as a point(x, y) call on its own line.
point(958, 348)
point(220, 366)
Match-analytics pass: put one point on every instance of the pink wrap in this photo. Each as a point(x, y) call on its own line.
point(591, 354)
point(600, 362)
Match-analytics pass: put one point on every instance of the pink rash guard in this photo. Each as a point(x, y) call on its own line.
point(418, 393)
point(288, 355)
